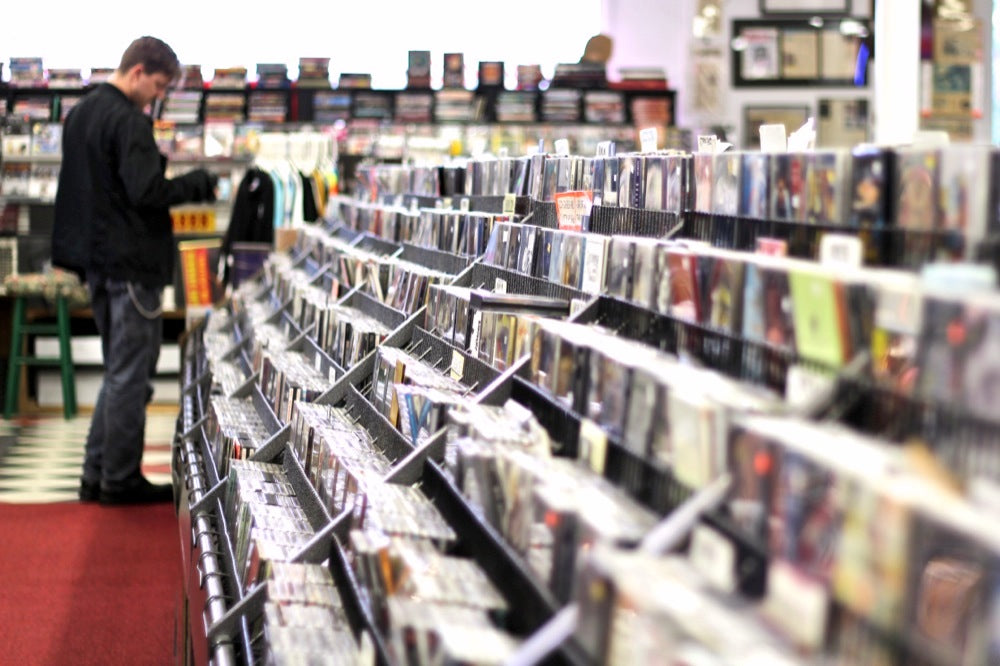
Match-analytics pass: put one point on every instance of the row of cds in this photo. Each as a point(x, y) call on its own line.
point(341, 461)
point(287, 376)
point(304, 618)
point(456, 232)
point(656, 181)
point(467, 319)
point(265, 520)
point(234, 430)
point(943, 189)
point(783, 306)
point(504, 465)
point(395, 547)
point(400, 284)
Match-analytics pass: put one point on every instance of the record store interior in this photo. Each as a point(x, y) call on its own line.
point(589, 332)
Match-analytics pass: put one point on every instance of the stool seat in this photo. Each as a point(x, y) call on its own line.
point(19, 357)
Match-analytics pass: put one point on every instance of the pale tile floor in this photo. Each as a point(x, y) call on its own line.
point(41, 456)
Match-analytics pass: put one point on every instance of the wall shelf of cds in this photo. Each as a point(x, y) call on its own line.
point(802, 53)
point(44, 104)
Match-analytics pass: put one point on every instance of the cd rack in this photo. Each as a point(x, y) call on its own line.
point(854, 402)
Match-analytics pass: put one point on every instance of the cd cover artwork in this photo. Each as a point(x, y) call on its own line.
point(754, 200)
point(788, 186)
point(726, 184)
point(916, 188)
point(703, 163)
point(869, 187)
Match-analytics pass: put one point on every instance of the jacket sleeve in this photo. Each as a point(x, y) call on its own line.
point(141, 169)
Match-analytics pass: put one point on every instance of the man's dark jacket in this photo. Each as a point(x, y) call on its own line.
point(112, 206)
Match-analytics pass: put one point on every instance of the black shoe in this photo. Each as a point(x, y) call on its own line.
point(90, 491)
point(142, 492)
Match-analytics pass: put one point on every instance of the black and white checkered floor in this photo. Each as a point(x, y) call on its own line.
point(41, 456)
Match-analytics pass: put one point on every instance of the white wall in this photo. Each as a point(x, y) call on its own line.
point(651, 33)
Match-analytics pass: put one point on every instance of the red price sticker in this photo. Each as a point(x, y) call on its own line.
point(571, 208)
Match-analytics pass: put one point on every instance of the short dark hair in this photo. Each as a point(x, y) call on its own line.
point(153, 54)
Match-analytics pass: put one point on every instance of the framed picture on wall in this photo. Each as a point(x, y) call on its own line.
point(810, 7)
point(842, 123)
point(755, 115)
point(790, 52)
point(799, 53)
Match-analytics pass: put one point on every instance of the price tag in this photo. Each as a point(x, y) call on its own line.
point(840, 250)
point(708, 144)
point(715, 557)
point(957, 276)
point(572, 207)
point(463, 205)
point(775, 247)
point(477, 322)
point(439, 203)
point(457, 364)
point(562, 146)
point(804, 386)
point(446, 202)
point(503, 152)
point(509, 204)
point(332, 375)
point(797, 604)
point(318, 362)
point(605, 148)
point(413, 205)
point(576, 304)
point(500, 287)
point(593, 445)
point(366, 650)
point(648, 140)
point(773, 139)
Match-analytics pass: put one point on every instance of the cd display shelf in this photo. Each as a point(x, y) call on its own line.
point(645, 479)
point(532, 604)
point(888, 246)
point(378, 104)
point(964, 442)
point(229, 612)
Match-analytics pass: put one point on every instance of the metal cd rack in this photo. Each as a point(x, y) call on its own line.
point(225, 634)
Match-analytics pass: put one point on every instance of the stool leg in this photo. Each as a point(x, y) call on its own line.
point(14, 363)
point(66, 359)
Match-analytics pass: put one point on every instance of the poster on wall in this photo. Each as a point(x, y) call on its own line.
point(707, 79)
point(953, 84)
point(707, 21)
point(760, 54)
point(842, 122)
point(958, 42)
point(840, 54)
point(799, 54)
point(791, 116)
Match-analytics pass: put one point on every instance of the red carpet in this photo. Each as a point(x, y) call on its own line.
point(81, 584)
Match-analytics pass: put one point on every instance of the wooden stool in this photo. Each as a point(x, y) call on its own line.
point(20, 329)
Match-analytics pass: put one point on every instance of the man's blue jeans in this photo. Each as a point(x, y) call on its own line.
point(131, 327)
